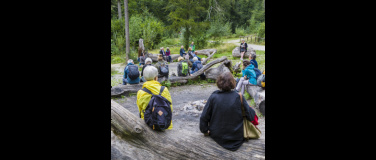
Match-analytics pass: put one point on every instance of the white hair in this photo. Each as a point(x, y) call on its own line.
point(148, 60)
point(195, 59)
point(130, 61)
point(150, 72)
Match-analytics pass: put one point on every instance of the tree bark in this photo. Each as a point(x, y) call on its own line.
point(199, 72)
point(258, 94)
point(206, 59)
point(131, 138)
point(126, 29)
point(236, 52)
point(236, 67)
point(206, 52)
point(119, 8)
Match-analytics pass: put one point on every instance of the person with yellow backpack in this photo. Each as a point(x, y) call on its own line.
point(261, 80)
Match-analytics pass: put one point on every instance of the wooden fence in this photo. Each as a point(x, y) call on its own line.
point(252, 38)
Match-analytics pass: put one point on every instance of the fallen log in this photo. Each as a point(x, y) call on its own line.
point(199, 72)
point(154, 57)
point(236, 67)
point(258, 94)
point(125, 89)
point(206, 59)
point(236, 52)
point(213, 73)
point(131, 138)
point(206, 52)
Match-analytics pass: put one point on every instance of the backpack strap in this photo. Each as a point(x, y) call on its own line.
point(162, 88)
point(147, 91)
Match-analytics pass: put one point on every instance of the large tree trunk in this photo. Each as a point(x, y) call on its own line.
point(258, 94)
point(213, 73)
point(236, 52)
point(126, 29)
point(206, 52)
point(119, 8)
point(133, 139)
point(199, 72)
point(236, 67)
point(206, 59)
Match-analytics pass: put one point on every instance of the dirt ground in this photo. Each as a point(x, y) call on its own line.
point(181, 96)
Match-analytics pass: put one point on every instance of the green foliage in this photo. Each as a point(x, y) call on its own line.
point(240, 32)
point(261, 30)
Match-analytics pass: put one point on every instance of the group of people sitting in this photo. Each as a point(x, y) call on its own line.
point(188, 64)
point(221, 118)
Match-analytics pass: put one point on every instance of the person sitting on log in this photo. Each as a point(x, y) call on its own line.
point(243, 49)
point(162, 67)
point(186, 57)
point(252, 58)
point(141, 56)
point(163, 53)
point(183, 67)
point(131, 73)
point(195, 55)
point(148, 62)
point(168, 55)
point(222, 118)
point(197, 66)
point(143, 98)
point(193, 47)
point(190, 54)
point(182, 52)
point(248, 77)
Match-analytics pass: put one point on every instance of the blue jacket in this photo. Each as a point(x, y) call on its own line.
point(135, 81)
point(194, 67)
point(182, 52)
point(254, 62)
point(251, 75)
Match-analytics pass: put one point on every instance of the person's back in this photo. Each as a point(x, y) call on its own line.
point(222, 116)
point(250, 73)
point(183, 68)
point(154, 86)
point(131, 74)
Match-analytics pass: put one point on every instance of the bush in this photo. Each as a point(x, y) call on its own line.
point(261, 30)
point(239, 31)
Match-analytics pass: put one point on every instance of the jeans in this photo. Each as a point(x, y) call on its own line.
point(169, 58)
point(242, 83)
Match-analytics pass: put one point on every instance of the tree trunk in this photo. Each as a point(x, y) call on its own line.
point(199, 72)
point(126, 29)
point(131, 138)
point(258, 94)
point(213, 73)
point(236, 68)
point(206, 52)
point(206, 59)
point(119, 8)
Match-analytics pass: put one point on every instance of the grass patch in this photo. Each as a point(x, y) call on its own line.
point(115, 82)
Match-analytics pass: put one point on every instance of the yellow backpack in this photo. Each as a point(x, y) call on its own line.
point(263, 82)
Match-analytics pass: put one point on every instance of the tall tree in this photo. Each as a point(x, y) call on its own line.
point(126, 29)
point(185, 14)
point(119, 8)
